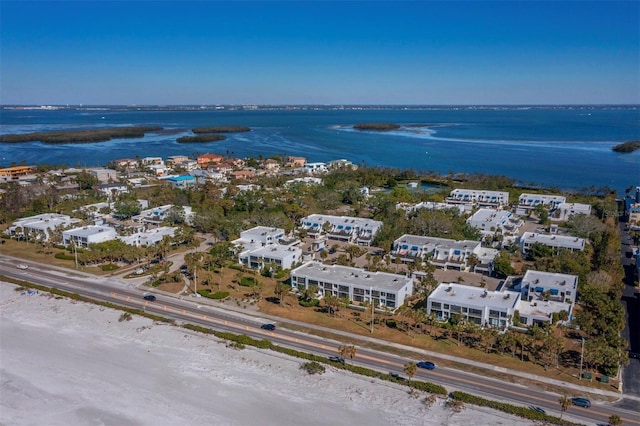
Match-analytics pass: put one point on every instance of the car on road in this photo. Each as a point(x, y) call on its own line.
point(22, 266)
point(338, 359)
point(538, 409)
point(395, 375)
point(581, 402)
point(426, 364)
point(149, 297)
point(269, 327)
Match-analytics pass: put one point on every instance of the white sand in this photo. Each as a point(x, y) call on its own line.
point(67, 363)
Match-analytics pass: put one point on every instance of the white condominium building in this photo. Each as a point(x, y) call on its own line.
point(475, 304)
point(91, 234)
point(355, 230)
point(478, 197)
point(555, 241)
point(40, 226)
point(384, 289)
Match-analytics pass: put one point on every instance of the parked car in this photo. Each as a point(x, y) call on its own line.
point(426, 364)
point(149, 297)
point(337, 359)
point(538, 409)
point(581, 402)
point(22, 266)
point(395, 375)
point(269, 327)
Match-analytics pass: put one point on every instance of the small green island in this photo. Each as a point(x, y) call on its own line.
point(201, 138)
point(80, 136)
point(221, 129)
point(378, 127)
point(626, 147)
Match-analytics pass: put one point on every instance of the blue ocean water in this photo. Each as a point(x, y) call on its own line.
point(569, 148)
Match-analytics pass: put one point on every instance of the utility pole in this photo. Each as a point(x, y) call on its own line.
point(372, 307)
point(581, 358)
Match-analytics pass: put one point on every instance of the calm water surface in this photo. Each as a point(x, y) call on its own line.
point(566, 148)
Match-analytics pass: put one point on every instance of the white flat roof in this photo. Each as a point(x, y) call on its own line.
point(359, 222)
point(465, 295)
point(87, 231)
point(356, 277)
point(553, 240)
point(444, 243)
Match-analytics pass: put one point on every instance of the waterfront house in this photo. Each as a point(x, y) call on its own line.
point(528, 202)
point(491, 222)
point(480, 198)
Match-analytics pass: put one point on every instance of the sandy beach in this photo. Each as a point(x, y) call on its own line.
point(69, 363)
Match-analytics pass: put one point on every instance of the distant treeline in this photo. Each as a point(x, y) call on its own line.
point(379, 127)
point(200, 138)
point(627, 146)
point(80, 136)
point(221, 129)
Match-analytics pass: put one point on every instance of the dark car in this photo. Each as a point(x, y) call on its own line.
point(149, 297)
point(269, 327)
point(395, 375)
point(581, 402)
point(426, 364)
point(538, 409)
point(337, 359)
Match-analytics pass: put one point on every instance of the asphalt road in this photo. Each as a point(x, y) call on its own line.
point(188, 310)
point(631, 303)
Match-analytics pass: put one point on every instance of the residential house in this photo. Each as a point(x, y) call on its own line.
point(261, 246)
point(295, 162)
point(182, 182)
point(565, 210)
point(113, 190)
point(205, 160)
point(103, 175)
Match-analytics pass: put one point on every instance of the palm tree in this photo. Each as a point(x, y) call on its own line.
point(615, 420)
point(410, 368)
point(347, 351)
point(280, 291)
point(565, 403)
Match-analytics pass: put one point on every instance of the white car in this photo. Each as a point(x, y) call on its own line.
point(22, 266)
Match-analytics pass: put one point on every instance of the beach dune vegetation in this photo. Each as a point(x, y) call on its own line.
point(80, 136)
point(378, 127)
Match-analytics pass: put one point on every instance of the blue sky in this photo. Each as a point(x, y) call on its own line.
point(331, 52)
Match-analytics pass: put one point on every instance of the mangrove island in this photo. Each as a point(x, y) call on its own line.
point(378, 127)
point(629, 146)
point(80, 136)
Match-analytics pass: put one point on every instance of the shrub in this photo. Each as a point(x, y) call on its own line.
point(313, 367)
point(248, 281)
point(217, 295)
point(62, 255)
point(310, 303)
point(516, 410)
point(109, 267)
point(126, 316)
